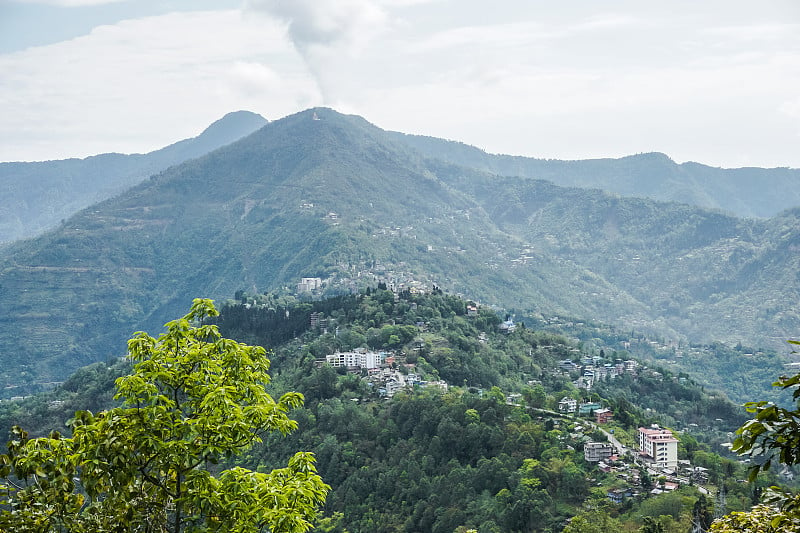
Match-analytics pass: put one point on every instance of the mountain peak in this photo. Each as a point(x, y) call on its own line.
point(235, 125)
point(327, 115)
point(651, 157)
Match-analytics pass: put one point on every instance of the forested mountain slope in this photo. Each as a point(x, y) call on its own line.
point(700, 274)
point(327, 195)
point(745, 192)
point(485, 450)
point(38, 196)
point(258, 213)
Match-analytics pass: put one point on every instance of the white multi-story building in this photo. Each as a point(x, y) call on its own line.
point(309, 284)
point(568, 405)
point(595, 452)
point(660, 446)
point(366, 360)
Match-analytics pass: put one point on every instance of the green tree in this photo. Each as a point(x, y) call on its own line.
point(594, 521)
point(193, 400)
point(757, 520)
point(652, 525)
point(535, 396)
point(774, 434)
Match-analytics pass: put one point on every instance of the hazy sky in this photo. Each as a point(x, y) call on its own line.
point(716, 82)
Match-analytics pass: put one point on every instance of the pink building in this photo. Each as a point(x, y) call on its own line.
point(660, 446)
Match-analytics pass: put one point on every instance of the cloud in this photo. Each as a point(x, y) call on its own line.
point(599, 85)
point(69, 3)
point(144, 83)
point(326, 32)
point(325, 22)
point(569, 82)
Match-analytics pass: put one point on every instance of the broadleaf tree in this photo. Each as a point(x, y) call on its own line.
point(193, 400)
point(773, 435)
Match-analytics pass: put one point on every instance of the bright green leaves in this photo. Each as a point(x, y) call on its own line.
point(193, 399)
point(39, 476)
point(244, 501)
point(772, 435)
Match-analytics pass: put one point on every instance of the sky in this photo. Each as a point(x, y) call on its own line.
point(716, 82)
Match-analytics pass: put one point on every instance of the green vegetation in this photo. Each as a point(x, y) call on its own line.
point(35, 197)
point(339, 199)
point(773, 435)
point(488, 452)
point(193, 399)
point(738, 372)
point(433, 461)
point(747, 192)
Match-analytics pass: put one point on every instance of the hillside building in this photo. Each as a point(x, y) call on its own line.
point(594, 452)
point(366, 360)
point(508, 326)
point(658, 446)
point(309, 284)
point(588, 408)
point(603, 416)
point(567, 405)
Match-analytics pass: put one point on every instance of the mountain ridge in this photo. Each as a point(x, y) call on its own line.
point(37, 196)
point(739, 191)
point(328, 195)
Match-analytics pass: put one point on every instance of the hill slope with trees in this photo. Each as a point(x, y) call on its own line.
point(745, 192)
point(320, 194)
point(488, 452)
point(37, 196)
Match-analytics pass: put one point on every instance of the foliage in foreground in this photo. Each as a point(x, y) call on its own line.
point(773, 434)
point(193, 399)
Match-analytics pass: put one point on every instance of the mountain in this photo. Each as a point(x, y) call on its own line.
point(37, 196)
point(698, 274)
point(320, 194)
point(448, 433)
point(745, 192)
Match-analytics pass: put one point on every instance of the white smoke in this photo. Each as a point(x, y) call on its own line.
point(326, 32)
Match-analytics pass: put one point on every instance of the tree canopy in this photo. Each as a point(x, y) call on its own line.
point(772, 435)
point(193, 400)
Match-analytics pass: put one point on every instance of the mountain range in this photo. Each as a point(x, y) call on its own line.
point(745, 192)
point(321, 194)
point(35, 197)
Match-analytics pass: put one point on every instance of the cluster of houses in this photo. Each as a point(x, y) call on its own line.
point(354, 278)
point(656, 453)
point(592, 368)
point(380, 370)
point(657, 449)
point(569, 405)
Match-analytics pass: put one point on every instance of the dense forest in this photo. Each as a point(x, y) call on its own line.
point(488, 449)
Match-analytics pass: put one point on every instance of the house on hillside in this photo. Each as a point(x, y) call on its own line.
point(658, 447)
point(309, 284)
point(603, 416)
point(595, 452)
point(508, 326)
point(368, 360)
point(616, 495)
point(392, 386)
point(567, 405)
point(587, 408)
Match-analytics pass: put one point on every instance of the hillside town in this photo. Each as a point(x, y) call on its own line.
point(651, 467)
